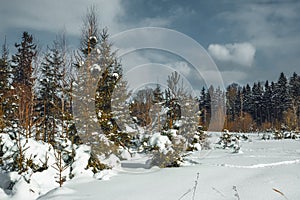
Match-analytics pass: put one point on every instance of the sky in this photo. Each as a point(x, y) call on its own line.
point(248, 40)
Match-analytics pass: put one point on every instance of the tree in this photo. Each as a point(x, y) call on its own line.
point(90, 32)
point(120, 111)
point(176, 86)
point(23, 80)
point(257, 93)
point(233, 101)
point(205, 107)
point(111, 73)
point(87, 62)
point(140, 106)
point(4, 85)
point(294, 87)
point(267, 103)
point(50, 86)
point(282, 97)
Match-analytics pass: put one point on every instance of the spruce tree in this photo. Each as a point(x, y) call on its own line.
point(282, 97)
point(267, 103)
point(4, 85)
point(294, 87)
point(257, 103)
point(110, 75)
point(48, 98)
point(23, 81)
point(121, 113)
point(90, 32)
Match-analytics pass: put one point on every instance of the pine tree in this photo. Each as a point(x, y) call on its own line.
point(23, 80)
point(121, 113)
point(257, 103)
point(282, 97)
point(190, 119)
point(205, 107)
point(90, 33)
point(4, 85)
point(48, 99)
point(88, 71)
point(267, 103)
point(110, 75)
point(294, 87)
point(247, 96)
point(157, 94)
point(232, 97)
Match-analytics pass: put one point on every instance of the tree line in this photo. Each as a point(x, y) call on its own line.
point(262, 106)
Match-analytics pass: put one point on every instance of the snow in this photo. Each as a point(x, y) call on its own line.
point(160, 141)
point(95, 68)
point(116, 75)
point(267, 169)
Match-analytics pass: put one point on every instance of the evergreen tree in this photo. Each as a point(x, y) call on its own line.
point(257, 103)
point(267, 103)
point(233, 99)
point(121, 113)
point(22, 61)
point(205, 107)
point(23, 81)
point(157, 94)
point(294, 85)
point(111, 73)
point(48, 99)
point(247, 96)
point(190, 119)
point(4, 85)
point(90, 33)
point(282, 97)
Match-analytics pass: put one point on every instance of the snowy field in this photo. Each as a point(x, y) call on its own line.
point(266, 170)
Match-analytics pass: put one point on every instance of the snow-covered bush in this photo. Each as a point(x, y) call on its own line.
point(291, 135)
point(198, 141)
point(278, 135)
point(267, 136)
point(228, 140)
point(166, 153)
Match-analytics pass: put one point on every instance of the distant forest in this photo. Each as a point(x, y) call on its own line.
point(261, 106)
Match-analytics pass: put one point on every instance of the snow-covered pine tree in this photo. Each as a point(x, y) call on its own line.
point(175, 94)
point(48, 99)
point(190, 122)
point(158, 111)
point(67, 79)
point(111, 73)
point(121, 114)
point(23, 81)
point(4, 85)
point(88, 72)
point(90, 32)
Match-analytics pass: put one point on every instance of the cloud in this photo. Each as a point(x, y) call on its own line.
point(54, 16)
point(240, 53)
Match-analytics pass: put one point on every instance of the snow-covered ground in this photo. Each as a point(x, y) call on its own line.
point(262, 170)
